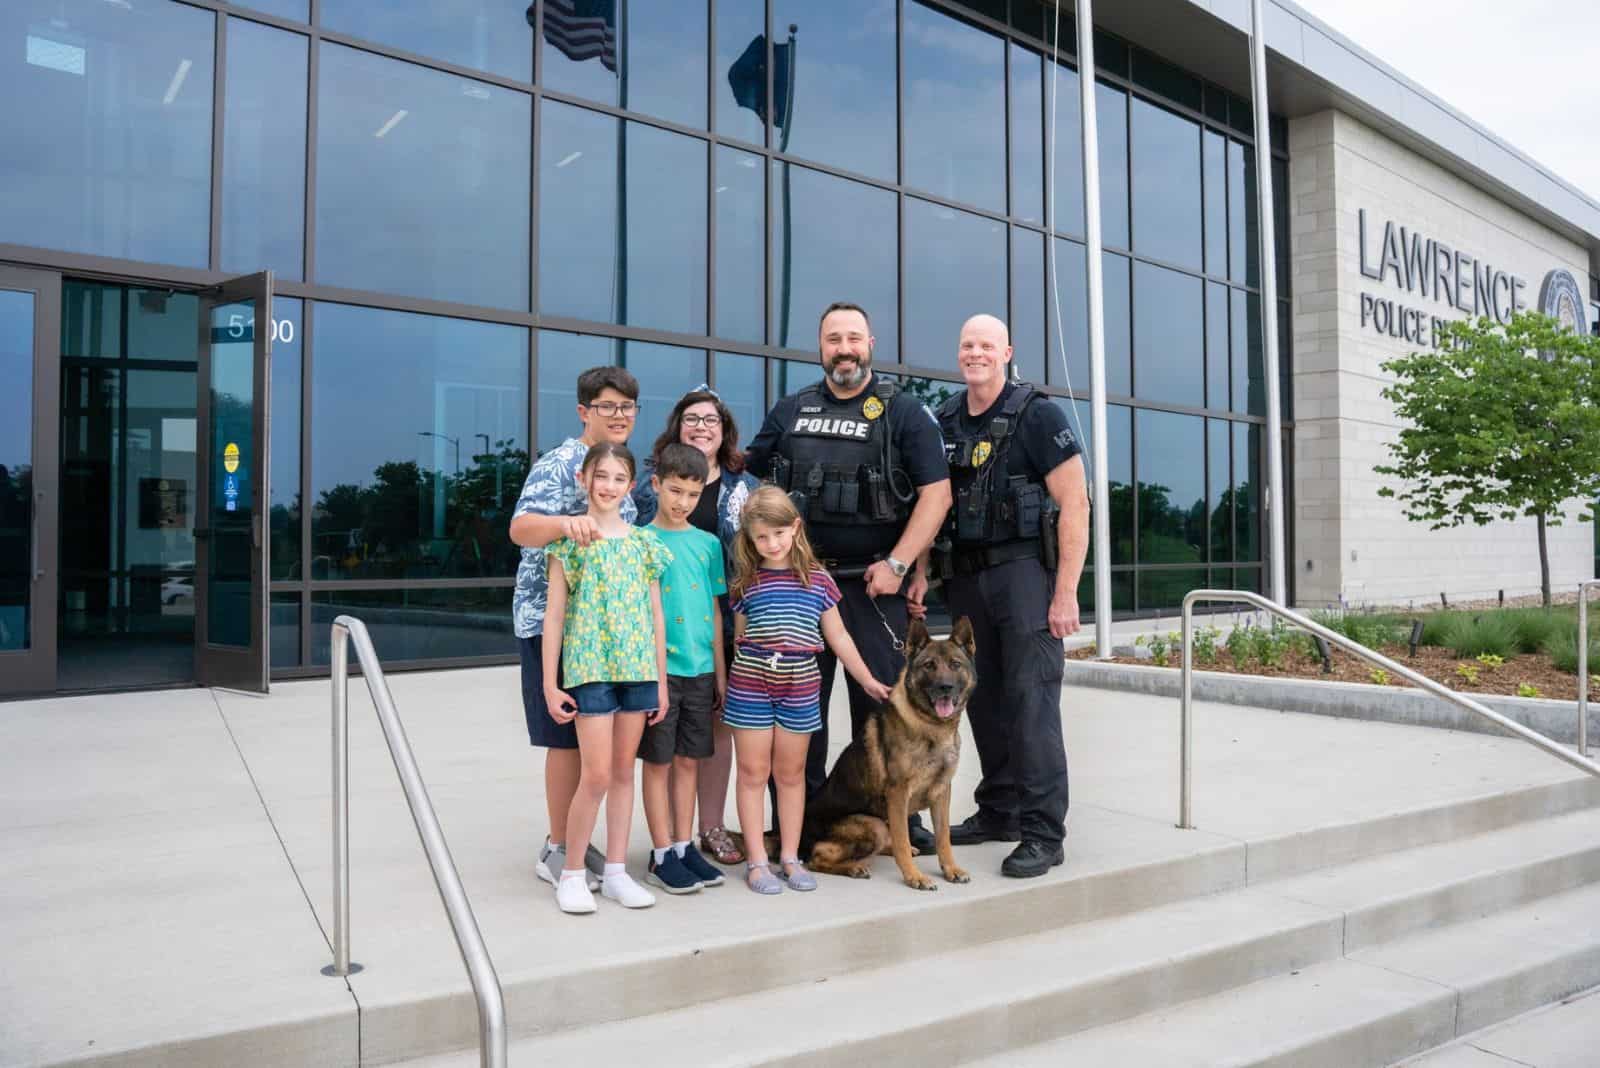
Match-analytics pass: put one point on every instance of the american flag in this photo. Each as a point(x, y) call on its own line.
point(583, 29)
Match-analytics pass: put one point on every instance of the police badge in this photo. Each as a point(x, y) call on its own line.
point(980, 453)
point(872, 408)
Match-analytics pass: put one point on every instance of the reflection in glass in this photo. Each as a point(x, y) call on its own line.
point(741, 196)
point(622, 221)
point(795, 375)
point(1172, 488)
point(111, 152)
point(843, 110)
point(1027, 135)
point(1213, 160)
point(740, 27)
point(1119, 473)
point(425, 490)
point(91, 319)
point(955, 79)
point(489, 35)
point(1072, 302)
point(1119, 324)
point(264, 151)
point(955, 267)
point(742, 385)
point(284, 638)
point(1166, 186)
point(1121, 592)
point(654, 62)
point(1169, 336)
point(1030, 349)
point(1219, 483)
point(1111, 114)
point(1280, 215)
point(288, 9)
point(420, 624)
point(814, 215)
point(1244, 255)
point(1067, 130)
point(16, 468)
point(1249, 386)
point(449, 220)
point(1247, 491)
point(1163, 590)
point(665, 373)
point(283, 559)
point(1217, 380)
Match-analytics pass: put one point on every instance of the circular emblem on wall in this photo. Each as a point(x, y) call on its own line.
point(1561, 298)
point(872, 408)
point(980, 453)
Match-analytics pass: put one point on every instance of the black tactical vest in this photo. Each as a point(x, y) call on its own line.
point(991, 507)
point(836, 458)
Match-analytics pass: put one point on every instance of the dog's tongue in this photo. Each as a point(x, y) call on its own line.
point(944, 707)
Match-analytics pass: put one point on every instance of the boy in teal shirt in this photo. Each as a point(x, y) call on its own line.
point(696, 676)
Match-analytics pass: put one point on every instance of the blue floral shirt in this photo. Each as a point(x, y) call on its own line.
point(551, 489)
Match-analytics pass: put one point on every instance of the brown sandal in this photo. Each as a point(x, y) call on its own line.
point(723, 847)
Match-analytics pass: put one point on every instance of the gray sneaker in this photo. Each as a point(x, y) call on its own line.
point(553, 858)
point(595, 861)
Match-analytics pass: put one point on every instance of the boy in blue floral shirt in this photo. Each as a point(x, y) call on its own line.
point(552, 506)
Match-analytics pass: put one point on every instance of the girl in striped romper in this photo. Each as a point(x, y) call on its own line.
point(784, 607)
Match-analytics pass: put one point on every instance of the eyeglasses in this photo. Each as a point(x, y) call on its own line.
point(710, 422)
point(612, 408)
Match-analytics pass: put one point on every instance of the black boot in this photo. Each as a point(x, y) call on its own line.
point(921, 837)
point(978, 828)
point(1032, 858)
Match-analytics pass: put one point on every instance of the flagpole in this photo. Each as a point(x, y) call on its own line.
point(1100, 512)
point(621, 274)
point(788, 208)
point(1267, 216)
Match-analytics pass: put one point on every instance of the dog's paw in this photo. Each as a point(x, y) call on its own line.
point(922, 882)
point(859, 871)
point(957, 875)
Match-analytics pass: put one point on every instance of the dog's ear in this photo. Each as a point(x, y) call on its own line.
point(962, 636)
point(916, 638)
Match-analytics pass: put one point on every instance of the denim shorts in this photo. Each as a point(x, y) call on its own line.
point(604, 698)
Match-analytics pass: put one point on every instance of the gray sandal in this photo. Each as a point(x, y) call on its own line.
point(799, 878)
point(759, 878)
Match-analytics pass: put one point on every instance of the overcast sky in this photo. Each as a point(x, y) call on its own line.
point(1524, 69)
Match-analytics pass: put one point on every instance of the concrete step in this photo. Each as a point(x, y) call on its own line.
point(1393, 895)
point(948, 1007)
point(1371, 1009)
point(1563, 1035)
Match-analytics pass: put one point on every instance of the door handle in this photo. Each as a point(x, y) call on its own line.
point(38, 506)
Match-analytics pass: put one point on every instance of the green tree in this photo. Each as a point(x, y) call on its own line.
point(1501, 422)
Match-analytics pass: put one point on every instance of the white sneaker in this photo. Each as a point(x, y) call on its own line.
point(550, 866)
point(573, 896)
point(625, 892)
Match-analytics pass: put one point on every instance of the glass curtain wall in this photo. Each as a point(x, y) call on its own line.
point(467, 204)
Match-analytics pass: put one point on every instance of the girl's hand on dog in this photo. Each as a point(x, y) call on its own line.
point(877, 690)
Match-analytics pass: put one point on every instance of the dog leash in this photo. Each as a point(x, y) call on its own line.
point(857, 572)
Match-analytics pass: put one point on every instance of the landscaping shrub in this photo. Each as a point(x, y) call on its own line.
point(1562, 648)
point(1373, 631)
point(1491, 632)
point(1534, 627)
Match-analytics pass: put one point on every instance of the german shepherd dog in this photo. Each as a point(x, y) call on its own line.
point(902, 763)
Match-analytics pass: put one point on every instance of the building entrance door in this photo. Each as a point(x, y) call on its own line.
point(230, 534)
point(29, 311)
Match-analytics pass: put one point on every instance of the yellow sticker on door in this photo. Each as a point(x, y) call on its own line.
point(230, 458)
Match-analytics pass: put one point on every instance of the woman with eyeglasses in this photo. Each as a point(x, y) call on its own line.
point(701, 420)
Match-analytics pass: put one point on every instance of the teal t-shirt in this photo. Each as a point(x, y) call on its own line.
point(690, 587)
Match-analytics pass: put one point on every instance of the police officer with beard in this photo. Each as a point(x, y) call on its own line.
point(865, 465)
point(1018, 534)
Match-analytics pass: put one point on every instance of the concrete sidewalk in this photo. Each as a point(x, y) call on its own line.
point(167, 858)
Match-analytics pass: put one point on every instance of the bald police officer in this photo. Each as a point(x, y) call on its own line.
point(865, 464)
point(1018, 533)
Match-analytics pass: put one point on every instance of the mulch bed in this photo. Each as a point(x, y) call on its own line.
point(1434, 662)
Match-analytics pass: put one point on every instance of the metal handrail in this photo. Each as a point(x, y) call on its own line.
point(1583, 663)
point(1186, 743)
point(474, 954)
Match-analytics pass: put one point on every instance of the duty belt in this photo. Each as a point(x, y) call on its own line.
point(970, 561)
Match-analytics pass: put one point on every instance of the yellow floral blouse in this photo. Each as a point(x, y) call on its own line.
point(610, 634)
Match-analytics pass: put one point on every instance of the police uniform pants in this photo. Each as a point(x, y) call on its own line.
point(1015, 711)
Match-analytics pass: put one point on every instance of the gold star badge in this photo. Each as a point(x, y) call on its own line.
point(872, 408)
point(980, 453)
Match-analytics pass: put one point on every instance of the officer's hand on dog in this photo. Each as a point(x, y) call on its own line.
point(581, 529)
point(560, 705)
point(1063, 617)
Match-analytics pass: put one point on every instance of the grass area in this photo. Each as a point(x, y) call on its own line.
point(1501, 632)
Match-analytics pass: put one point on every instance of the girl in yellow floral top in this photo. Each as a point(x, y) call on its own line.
point(613, 654)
